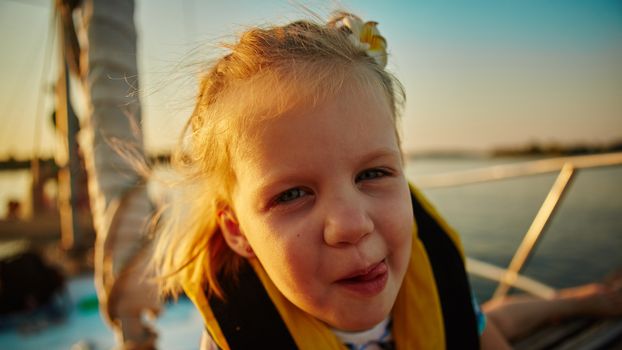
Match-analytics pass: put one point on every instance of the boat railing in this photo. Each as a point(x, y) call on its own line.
point(566, 167)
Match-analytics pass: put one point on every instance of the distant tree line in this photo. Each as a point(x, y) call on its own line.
point(550, 149)
point(11, 163)
point(555, 149)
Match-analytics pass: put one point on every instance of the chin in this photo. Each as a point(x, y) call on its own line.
point(366, 315)
point(358, 323)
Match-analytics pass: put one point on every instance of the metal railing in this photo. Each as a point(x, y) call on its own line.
point(567, 167)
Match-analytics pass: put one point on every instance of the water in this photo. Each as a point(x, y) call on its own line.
point(583, 242)
point(179, 326)
point(14, 185)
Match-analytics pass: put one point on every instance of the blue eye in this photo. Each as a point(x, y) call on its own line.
point(371, 174)
point(290, 195)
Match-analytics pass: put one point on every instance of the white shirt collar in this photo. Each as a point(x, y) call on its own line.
point(379, 332)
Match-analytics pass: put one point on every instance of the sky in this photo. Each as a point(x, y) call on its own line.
point(477, 74)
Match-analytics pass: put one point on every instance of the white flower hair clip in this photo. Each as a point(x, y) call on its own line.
point(364, 35)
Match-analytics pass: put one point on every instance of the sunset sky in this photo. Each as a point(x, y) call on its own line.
point(478, 74)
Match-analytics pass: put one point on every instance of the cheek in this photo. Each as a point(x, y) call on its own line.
point(293, 269)
point(407, 224)
point(400, 223)
point(287, 255)
point(298, 263)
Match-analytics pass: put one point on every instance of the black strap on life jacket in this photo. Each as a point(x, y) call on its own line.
point(249, 319)
point(451, 281)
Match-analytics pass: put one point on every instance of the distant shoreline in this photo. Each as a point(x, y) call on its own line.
point(530, 150)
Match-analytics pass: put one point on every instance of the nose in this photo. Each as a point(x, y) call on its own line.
point(347, 220)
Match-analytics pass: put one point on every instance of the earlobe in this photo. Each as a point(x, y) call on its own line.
point(235, 238)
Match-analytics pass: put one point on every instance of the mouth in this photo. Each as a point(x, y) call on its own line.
point(366, 282)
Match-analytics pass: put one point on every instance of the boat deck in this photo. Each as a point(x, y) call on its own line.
point(180, 327)
point(584, 334)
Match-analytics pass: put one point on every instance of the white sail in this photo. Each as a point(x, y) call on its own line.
point(120, 203)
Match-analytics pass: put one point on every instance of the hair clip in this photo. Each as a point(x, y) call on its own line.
point(366, 36)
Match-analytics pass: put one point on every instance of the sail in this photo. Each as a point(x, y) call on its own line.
point(120, 203)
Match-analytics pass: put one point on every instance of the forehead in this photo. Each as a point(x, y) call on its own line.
point(302, 88)
point(298, 85)
point(355, 123)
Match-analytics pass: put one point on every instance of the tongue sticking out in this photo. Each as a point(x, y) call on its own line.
point(367, 283)
point(375, 272)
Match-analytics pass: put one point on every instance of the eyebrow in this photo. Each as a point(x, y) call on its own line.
point(284, 177)
point(382, 152)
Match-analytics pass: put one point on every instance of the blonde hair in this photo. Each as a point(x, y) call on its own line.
point(267, 72)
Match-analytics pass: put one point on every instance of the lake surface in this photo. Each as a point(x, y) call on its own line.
point(14, 185)
point(582, 244)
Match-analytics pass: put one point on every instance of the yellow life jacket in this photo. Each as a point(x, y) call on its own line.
point(433, 309)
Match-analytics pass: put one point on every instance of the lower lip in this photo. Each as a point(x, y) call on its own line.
point(368, 287)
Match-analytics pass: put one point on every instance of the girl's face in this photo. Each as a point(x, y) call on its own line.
point(322, 200)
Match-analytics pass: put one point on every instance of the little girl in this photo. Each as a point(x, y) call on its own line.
point(300, 229)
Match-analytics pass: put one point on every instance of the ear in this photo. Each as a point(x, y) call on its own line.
point(235, 238)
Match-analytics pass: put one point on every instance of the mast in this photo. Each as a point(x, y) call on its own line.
point(73, 237)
